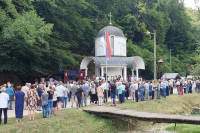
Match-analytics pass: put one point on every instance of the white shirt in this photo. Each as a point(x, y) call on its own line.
point(135, 86)
point(51, 80)
point(167, 83)
point(178, 83)
point(104, 86)
point(97, 79)
point(4, 100)
point(132, 79)
point(194, 85)
point(123, 87)
point(146, 86)
point(132, 88)
point(71, 85)
point(25, 89)
point(60, 90)
point(55, 96)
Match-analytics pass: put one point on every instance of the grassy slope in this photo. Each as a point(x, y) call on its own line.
point(171, 105)
point(71, 120)
point(75, 120)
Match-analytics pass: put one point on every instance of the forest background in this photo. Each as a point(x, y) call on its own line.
point(42, 37)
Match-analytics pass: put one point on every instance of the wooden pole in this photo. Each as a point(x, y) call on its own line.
point(155, 72)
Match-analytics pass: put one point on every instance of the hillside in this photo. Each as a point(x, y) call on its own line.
point(41, 37)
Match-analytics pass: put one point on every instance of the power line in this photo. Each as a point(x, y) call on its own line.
point(143, 17)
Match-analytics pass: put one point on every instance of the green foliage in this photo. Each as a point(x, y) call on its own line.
point(25, 43)
point(41, 37)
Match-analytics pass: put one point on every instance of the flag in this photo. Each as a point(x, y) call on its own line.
point(107, 43)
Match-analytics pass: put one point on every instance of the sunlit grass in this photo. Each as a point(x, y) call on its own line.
point(77, 121)
point(184, 128)
point(69, 121)
point(171, 105)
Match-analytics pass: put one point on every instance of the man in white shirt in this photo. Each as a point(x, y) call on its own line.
point(60, 94)
point(136, 91)
point(105, 90)
point(102, 78)
point(132, 78)
point(25, 89)
point(178, 86)
point(132, 88)
point(97, 79)
point(4, 98)
point(51, 81)
point(146, 87)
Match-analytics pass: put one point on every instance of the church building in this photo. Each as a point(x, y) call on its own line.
point(119, 62)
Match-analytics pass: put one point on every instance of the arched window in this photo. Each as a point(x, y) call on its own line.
point(112, 44)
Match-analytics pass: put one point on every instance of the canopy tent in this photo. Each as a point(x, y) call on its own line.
point(190, 77)
point(171, 76)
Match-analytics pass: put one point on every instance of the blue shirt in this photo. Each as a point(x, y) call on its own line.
point(66, 92)
point(150, 88)
point(45, 98)
point(84, 87)
point(142, 86)
point(120, 89)
point(164, 85)
point(10, 91)
point(39, 91)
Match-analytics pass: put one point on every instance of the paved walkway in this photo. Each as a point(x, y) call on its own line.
point(140, 115)
point(11, 113)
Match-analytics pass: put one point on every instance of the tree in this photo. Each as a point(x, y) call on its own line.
point(24, 44)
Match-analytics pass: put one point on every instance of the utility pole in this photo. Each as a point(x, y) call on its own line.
point(154, 53)
point(170, 55)
point(154, 34)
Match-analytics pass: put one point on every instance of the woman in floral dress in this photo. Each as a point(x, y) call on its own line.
point(32, 101)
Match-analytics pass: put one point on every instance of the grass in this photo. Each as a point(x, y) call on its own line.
point(68, 121)
point(171, 105)
point(77, 121)
point(184, 128)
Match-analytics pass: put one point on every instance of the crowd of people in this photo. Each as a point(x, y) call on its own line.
point(46, 96)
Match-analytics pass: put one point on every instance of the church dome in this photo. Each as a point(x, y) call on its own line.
point(112, 31)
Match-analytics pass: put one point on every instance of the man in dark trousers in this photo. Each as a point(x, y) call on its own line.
point(113, 92)
point(40, 91)
point(136, 91)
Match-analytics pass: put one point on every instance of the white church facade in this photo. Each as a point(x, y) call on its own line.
point(119, 62)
